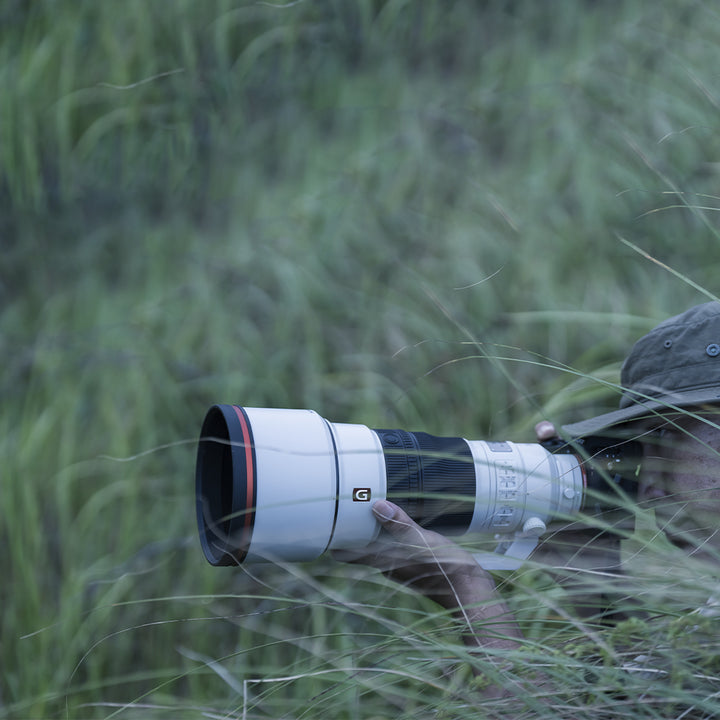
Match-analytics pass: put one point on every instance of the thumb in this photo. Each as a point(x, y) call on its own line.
point(393, 518)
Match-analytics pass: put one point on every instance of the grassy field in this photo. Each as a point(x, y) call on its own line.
point(444, 216)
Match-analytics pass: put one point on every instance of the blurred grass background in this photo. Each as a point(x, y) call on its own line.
point(398, 213)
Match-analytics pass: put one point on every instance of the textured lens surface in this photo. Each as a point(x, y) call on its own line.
point(431, 478)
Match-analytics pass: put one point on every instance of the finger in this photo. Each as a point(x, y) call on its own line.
point(386, 512)
point(396, 521)
point(412, 543)
point(545, 430)
point(401, 532)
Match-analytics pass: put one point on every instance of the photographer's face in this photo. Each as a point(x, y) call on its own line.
point(681, 477)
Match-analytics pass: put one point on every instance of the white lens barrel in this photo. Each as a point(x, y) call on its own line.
point(517, 484)
point(287, 485)
point(296, 484)
point(315, 484)
point(361, 467)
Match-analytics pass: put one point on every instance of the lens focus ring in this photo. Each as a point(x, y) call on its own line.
point(402, 465)
point(431, 478)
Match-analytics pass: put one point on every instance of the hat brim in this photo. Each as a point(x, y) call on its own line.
point(642, 409)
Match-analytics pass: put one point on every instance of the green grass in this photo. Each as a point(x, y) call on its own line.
point(395, 213)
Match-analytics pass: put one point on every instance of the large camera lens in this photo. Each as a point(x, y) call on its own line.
point(287, 485)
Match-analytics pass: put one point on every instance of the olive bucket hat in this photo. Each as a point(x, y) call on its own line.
point(676, 365)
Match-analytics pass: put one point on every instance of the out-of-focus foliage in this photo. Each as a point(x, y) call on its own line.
point(422, 214)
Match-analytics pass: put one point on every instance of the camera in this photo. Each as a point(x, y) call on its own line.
point(287, 485)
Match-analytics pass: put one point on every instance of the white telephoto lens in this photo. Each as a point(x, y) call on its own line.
point(287, 485)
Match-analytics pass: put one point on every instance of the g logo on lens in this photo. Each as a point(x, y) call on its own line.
point(361, 494)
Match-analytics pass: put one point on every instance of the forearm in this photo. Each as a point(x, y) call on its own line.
point(488, 625)
point(487, 619)
point(443, 572)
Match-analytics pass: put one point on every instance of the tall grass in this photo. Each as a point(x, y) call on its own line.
point(401, 214)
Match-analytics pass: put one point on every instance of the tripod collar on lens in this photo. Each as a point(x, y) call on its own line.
point(511, 553)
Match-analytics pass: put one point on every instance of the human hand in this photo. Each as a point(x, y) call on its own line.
point(436, 567)
point(421, 559)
